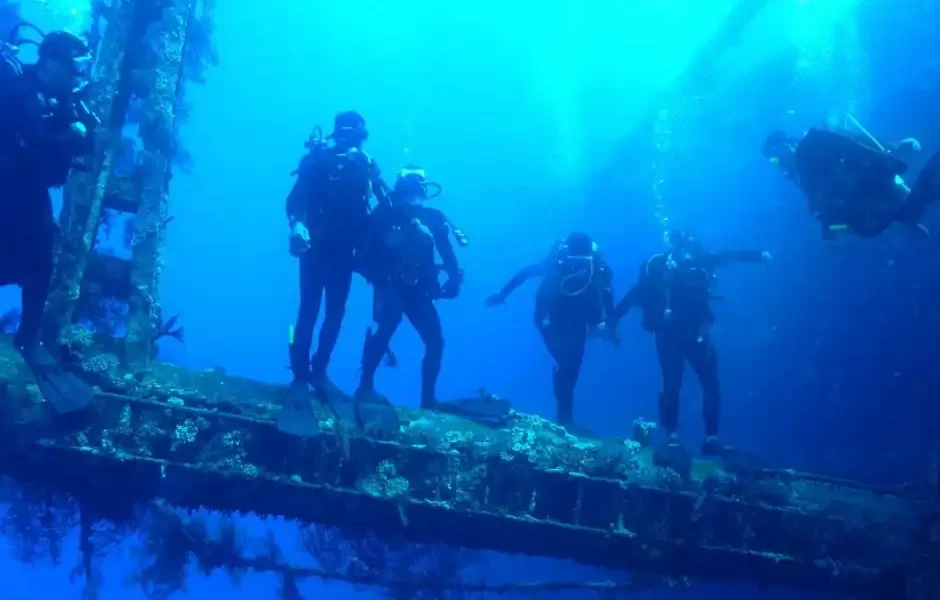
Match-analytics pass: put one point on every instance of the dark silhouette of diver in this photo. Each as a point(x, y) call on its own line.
point(574, 296)
point(853, 183)
point(328, 210)
point(673, 291)
point(44, 129)
point(398, 258)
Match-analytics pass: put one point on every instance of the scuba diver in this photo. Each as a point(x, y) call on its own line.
point(45, 129)
point(673, 291)
point(853, 183)
point(574, 297)
point(398, 258)
point(327, 211)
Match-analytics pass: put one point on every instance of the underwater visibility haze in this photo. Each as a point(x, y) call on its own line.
point(635, 151)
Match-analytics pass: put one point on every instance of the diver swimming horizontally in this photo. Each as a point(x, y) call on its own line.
point(328, 211)
point(398, 258)
point(673, 291)
point(853, 183)
point(574, 297)
point(44, 129)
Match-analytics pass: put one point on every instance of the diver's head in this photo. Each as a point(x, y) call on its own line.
point(779, 148)
point(64, 64)
point(579, 244)
point(349, 130)
point(683, 246)
point(412, 185)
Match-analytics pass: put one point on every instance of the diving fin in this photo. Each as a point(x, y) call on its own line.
point(297, 417)
point(376, 415)
point(486, 410)
point(671, 455)
point(63, 390)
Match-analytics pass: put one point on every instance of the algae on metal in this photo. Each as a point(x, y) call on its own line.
point(207, 439)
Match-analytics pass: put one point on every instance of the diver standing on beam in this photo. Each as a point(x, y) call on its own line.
point(44, 129)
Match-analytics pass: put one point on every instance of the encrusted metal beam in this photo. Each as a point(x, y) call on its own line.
point(158, 132)
point(207, 440)
point(84, 195)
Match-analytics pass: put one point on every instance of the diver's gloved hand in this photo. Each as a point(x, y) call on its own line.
point(909, 144)
point(495, 300)
point(299, 239)
point(766, 257)
point(450, 289)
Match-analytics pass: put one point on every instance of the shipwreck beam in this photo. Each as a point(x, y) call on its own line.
point(86, 191)
point(207, 440)
point(142, 55)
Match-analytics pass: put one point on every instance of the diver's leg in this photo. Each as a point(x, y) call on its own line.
point(337, 285)
point(704, 361)
point(567, 349)
point(30, 265)
point(424, 318)
point(311, 295)
point(387, 313)
point(671, 363)
point(35, 291)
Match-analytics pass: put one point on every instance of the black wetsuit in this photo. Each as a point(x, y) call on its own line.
point(674, 298)
point(37, 150)
point(331, 198)
point(574, 295)
point(399, 260)
point(850, 183)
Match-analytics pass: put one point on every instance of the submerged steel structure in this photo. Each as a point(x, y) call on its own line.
point(208, 440)
point(140, 60)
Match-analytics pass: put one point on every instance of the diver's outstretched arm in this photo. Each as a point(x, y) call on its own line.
point(630, 300)
point(533, 270)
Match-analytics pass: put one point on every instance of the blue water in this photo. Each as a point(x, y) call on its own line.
point(532, 118)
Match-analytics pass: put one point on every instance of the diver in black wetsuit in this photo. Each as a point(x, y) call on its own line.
point(573, 297)
point(673, 291)
point(853, 183)
point(399, 260)
point(44, 129)
point(328, 211)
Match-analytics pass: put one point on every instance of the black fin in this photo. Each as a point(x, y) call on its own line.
point(376, 415)
point(63, 390)
point(302, 423)
point(298, 417)
point(486, 411)
point(675, 457)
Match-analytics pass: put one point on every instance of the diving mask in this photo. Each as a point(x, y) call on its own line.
point(412, 182)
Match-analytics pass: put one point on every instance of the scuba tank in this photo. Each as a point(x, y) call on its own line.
point(315, 145)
